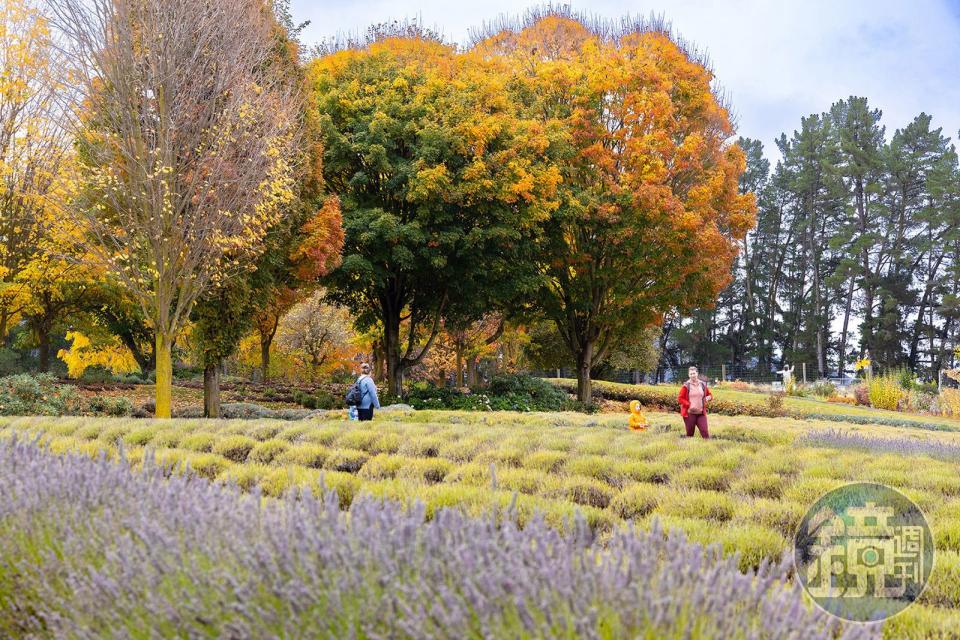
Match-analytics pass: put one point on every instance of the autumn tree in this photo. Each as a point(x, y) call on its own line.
point(302, 245)
point(298, 255)
point(184, 131)
point(443, 185)
point(32, 154)
point(316, 332)
point(650, 210)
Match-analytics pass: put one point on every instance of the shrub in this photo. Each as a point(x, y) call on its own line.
point(760, 485)
point(267, 451)
point(522, 480)
point(117, 406)
point(25, 394)
point(141, 437)
point(707, 505)
point(794, 388)
point(347, 460)
point(277, 482)
point(921, 401)
point(636, 501)
point(167, 438)
point(306, 455)
point(429, 470)
point(780, 515)
point(946, 532)
point(545, 460)
point(320, 399)
point(10, 363)
point(97, 374)
point(263, 431)
point(201, 441)
point(205, 465)
point(753, 544)
point(383, 466)
point(861, 394)
point(950, 402)
point(943, 589)
point(587, 491)
point(775, 400)
point(703, 478)
point(422, 395)
point(359, 438)
point(346, 486)
point(884, 391)
point(808, 490)
point(580, 407)
point(842, 400)
point(112, 433)
point(245, 476)
point(823, 389)
point(540, 394)
point(644, 471)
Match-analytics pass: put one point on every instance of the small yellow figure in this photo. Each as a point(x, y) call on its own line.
point(638, 421)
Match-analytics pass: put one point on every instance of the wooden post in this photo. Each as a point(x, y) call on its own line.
point(804, 367)
point(723, 372)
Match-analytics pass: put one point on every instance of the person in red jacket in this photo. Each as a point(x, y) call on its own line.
point(694, 396)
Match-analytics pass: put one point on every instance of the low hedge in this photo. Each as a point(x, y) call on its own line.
point(509, 392)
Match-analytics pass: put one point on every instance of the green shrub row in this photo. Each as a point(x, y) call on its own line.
point(507, 392)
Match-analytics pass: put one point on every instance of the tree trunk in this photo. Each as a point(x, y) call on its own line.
point(211, 391)
point(841, 365)
point(472, 378)
point(458, 376)
point(264, 356)
point(584, 383)
point(164, 376)
point(4, 320)
point(43, 344)
point(391, 344)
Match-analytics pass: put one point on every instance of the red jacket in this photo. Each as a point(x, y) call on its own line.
point(684, 398)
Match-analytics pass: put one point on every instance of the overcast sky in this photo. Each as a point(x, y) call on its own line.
point(778, 60)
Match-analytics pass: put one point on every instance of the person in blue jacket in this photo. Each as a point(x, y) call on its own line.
point(368, 394)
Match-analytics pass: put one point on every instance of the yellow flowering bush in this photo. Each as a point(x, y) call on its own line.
point(884, 391)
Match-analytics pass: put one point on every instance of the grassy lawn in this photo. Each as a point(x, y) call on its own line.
point(744, 490)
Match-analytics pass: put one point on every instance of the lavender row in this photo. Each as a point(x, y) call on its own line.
point(908, 446)
point(92, 549)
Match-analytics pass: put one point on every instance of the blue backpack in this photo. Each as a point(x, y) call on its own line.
point(354, 394)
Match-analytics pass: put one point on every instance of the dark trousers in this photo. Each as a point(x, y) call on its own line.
point(694, 420)
point(367, 414)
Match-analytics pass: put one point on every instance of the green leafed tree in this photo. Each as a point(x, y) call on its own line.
point(443, 186)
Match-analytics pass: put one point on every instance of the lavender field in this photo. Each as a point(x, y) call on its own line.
point(91, 549)
point(442, 524)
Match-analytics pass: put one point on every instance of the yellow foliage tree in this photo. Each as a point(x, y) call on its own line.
point(186, 139)
point(32, 153)
point(107, 353)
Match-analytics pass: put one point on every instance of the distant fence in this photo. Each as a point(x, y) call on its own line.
point(801, 373)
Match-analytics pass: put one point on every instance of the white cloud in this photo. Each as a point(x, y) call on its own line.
point(777, 60)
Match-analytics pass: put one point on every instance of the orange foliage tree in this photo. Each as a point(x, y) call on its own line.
point(649, 209)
